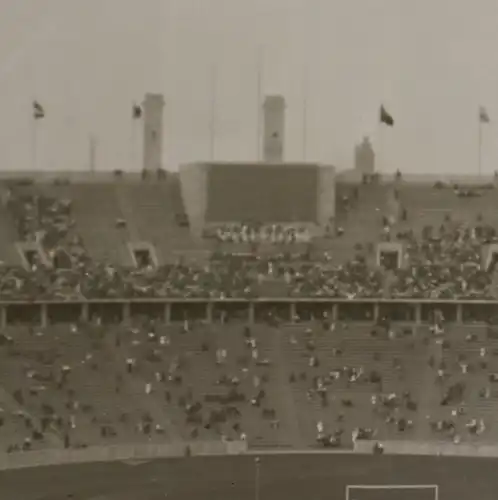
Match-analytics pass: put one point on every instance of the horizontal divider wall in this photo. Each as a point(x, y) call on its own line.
point(169, 310)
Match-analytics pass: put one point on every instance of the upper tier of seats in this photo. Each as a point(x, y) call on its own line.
point(429, 205)
point(90, 231)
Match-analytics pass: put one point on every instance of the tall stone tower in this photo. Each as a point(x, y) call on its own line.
point(273, 129)
point(365, 157)
point(153, 107)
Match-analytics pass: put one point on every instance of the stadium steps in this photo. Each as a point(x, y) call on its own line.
point(362, 224)
point(128, 213)
point(201, 375)
point(93, 381)
point(137, 347)
point(152, 208)
point(428, 395)
point(428, 206)
point(258, 429)
point(358, 351)
point(96, 211)
point(14, 430)
point(342, 189)
point(299, 439)
point(25, 355)
point(8, 237)
point(279, 391)
point(13, 372)
point(475, 380)
point(198, 370)
point(310, 411)
point(204, 375)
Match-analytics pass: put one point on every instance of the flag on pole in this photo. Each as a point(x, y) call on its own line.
point(136, 112)
point(385, 117)
point(483, 115)
point(38, 111)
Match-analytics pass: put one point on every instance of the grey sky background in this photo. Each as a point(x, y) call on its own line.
point(430, 62)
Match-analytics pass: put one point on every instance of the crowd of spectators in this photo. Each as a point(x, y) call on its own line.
point(262, 233)
point(83, 384)
point(73, 386)
point(86, 384)
point(446, 262)
point(47, 221)
point(442, 262)
point(391, 381)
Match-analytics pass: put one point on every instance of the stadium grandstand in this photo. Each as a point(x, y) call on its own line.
point(247, 307)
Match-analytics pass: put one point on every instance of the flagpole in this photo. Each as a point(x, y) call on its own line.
point(259, 99)
point(380, 135)
point(212, 120)
point(34, 138)
point(479, 147)
point(92, 153)
point(305, 112)
point(133, 146)
point(132, 142)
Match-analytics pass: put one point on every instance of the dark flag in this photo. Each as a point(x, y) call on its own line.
point(38, 111)
point(385, 117)
point(136, 112)
point(483, 115)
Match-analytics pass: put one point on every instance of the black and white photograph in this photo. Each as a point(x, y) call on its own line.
point(248, 250)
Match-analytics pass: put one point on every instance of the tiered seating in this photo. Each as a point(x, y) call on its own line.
point(179, 378)
point(197, 372)
point(96, 210)
point(463, 362)
point(91, 404)
point(175, 368)
point(358, 350)
point(8, 238)
point(446, 262)
point(182, 370)
point(362, 222)
point(17, 424)
point(426, 205)
point(154, 207)
point(44, 219)
point(153, 363)
point(267, 367)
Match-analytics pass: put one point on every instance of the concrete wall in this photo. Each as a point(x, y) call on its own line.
point(274, 129)
point(325, 195)
point(193, 183)
point(153, 107)
point(115, 453)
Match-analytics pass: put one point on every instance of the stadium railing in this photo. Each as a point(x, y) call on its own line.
point(170, 310)
point(19, 460)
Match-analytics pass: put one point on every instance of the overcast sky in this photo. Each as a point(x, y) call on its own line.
point(431, 62)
